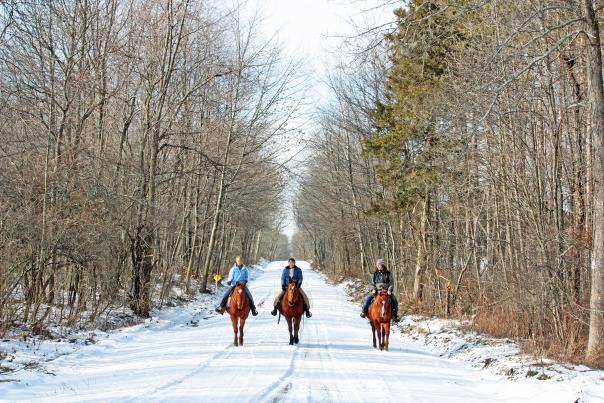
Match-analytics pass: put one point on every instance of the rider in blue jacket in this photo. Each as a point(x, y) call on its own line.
point(238, 274)
point(290, 273)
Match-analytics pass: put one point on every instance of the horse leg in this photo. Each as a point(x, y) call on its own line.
point(386, 335)
point(234, 322)
point(241, 325)
point(290, 330)
point(380, 336)
point(373, 333)
point(296, 329)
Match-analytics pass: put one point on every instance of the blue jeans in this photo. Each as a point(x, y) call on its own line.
point(228, 292)
point(369, 300)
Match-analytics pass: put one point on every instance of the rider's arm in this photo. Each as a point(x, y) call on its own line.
point(391, 285)
point(283, 274)
point(230, 277)
point(373, 283)
point(301, 278)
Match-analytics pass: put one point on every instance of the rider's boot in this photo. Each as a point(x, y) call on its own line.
point(276, 308)
point(363, 314)
point(395, 317)
point(222, 307)
point(307, 311)
point(254, 311)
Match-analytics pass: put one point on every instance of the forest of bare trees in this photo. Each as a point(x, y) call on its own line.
point(141, 142)
point(464, 144)
point(138, 152)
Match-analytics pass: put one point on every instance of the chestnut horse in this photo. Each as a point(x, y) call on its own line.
point(239, 309)
point(380, 314)
point(292, 307)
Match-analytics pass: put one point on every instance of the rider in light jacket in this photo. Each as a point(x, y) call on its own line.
point(238, 274)
point(382, 278)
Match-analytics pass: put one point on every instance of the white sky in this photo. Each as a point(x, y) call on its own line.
point(313, 31)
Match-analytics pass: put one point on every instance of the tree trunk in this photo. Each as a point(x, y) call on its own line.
point(418, 281)
point(596, 95)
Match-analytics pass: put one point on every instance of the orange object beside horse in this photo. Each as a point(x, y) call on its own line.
point(239, 310)
point(380, 314)
point(292, 307)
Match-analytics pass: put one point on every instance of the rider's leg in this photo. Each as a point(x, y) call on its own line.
point(277, 302)
point(394, 303)
point(306, 303)
point(368, 302)
point(220, 309)
point(252, 304)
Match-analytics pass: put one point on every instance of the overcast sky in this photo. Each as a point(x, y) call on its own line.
point(313, 31)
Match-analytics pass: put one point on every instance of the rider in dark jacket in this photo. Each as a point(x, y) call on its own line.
point(290, 273)
point(382, 278)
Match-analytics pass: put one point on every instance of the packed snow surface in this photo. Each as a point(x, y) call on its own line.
point(186, 354)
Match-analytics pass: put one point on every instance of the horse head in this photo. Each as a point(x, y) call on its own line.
point(383, 301)
point(238, 296)
point(291, 295)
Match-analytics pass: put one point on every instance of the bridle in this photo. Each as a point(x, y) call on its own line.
point(292, 288)
point(240, 292)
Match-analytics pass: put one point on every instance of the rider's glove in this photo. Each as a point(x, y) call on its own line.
point(389, 292)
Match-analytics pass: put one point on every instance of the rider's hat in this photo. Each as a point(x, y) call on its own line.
point(380, 261)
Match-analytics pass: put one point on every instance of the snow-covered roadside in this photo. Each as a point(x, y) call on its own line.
point(450, 339)
point(33, 353)
point(179, 356)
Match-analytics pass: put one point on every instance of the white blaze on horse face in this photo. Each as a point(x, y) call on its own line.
point(240, 291)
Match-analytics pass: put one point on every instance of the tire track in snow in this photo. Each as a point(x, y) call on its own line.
point(280, 385)
point(337, 364)
point(328, 391)
point(224, 353)
point(266, 393)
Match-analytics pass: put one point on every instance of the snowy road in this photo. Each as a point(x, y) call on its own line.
point(174, 361)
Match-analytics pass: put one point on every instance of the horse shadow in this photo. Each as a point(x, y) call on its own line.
point(357, 348)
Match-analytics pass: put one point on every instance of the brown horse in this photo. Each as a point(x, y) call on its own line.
point(239, 310)
point(292, 307)
point(380, 314)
